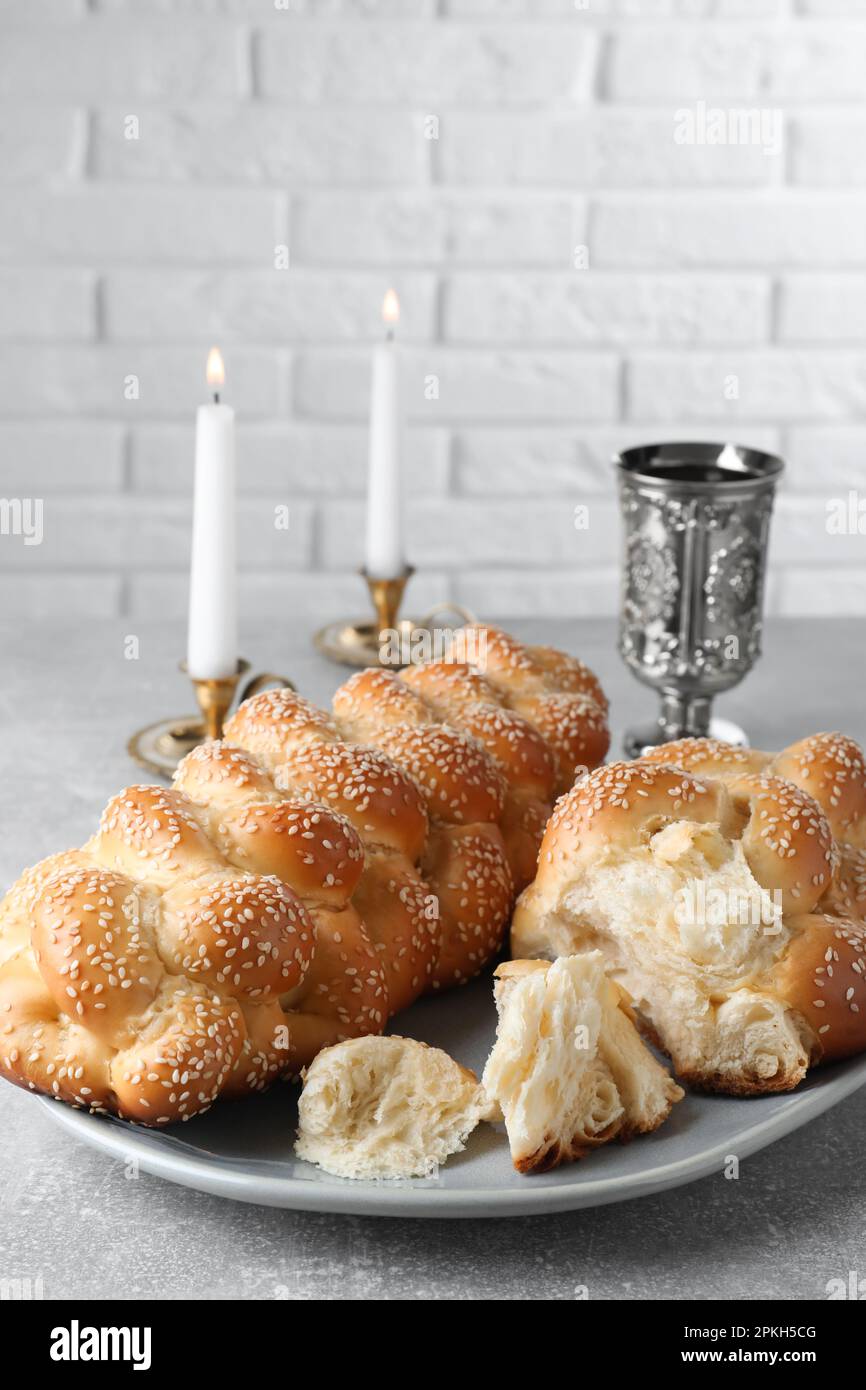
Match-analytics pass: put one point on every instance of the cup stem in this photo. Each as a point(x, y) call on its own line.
point(685, 716)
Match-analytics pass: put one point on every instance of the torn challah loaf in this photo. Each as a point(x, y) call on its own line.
point(304, 879)
point(569, 1070)
point(708, 897)
point(830, 767)
point(386, 1108)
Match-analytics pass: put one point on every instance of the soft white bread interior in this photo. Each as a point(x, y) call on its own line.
point(706, 899)
point(569, 1070)
point(386, 1107)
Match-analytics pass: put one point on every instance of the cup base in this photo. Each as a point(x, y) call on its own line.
point(643, 737)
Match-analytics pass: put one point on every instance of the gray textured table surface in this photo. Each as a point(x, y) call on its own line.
point(793, 1221)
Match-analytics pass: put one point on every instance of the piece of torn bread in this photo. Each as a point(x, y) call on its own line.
point(568, 1069)
point(386, 1107)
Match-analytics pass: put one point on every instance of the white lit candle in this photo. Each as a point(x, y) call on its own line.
point(212, 648)
point(384, 556)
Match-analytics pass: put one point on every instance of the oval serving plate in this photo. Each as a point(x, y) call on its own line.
point(243, 1149)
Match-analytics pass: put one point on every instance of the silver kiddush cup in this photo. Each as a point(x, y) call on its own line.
point(697, 518)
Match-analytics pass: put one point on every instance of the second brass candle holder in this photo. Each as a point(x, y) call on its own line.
point(385, 639)
point(160, 747)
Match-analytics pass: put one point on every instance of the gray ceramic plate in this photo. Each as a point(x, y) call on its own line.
point(243, 1149)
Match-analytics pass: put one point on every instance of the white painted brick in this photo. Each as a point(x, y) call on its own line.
point(40, 597)
point(252, 144)
point(815, 593)
point(181, 227)
point(830, 9)
point(77, 380)
point(102, 533)
point(41, 143)
point(782, 384)
point(555, 593)
point(673, 64)
point(426, 63)
point(540, 462)
point(609, 150)
point(123, 60)
point(46, 304)
point(472, 385)
point(598, 307)
point(107, 224)
point(288, 460)
point(794, 229)
point(420, 228)
point(829, 150)
point(285, 597)
point(823, 308)
point(46, 12)
point(464, 533)
point(272, 306)
point(627, 10)
point(75, 456)
point(828, 459)
point(152, 533)
point(799, 534)
point(266, 10)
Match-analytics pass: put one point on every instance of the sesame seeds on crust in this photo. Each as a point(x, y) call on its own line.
point(206, 939)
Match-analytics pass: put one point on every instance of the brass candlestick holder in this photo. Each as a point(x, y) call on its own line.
point(387, 595)
point(160, 747)
point(386, 640)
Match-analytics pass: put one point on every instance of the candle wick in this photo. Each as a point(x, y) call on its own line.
point(216, 397)
point(389, 336)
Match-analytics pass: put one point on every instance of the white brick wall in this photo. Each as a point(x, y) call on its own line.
point(308, 123)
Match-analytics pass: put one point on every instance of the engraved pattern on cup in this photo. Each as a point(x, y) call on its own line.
point(696, 522)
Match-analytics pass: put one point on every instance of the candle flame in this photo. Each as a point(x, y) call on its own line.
point(390, 308)
point(216, 371)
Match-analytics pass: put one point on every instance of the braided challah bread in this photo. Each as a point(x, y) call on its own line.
point(830, 767)
point(711, 886)
point(303, 879)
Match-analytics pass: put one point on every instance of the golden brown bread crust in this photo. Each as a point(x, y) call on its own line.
point(187, 1045)
point(246, 933)
point(461, 784)
point(517, 747)
point(710, 756)
point(846, 896)
point(554, 1153)
point(474, 891)
point(384, 805)
point(566, 673)
point(402, 918)
point(831, 768)
point(574, 726)
point(622, 803)
point(96, 958)
point(552, 691)
point(276, 723)
point(294, 887)
point(823, 976)
point(268, 837)
point(786, 839)
point(451, 686)
point(522, 825)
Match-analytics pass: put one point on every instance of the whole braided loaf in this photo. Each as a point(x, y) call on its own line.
point(304, 879)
